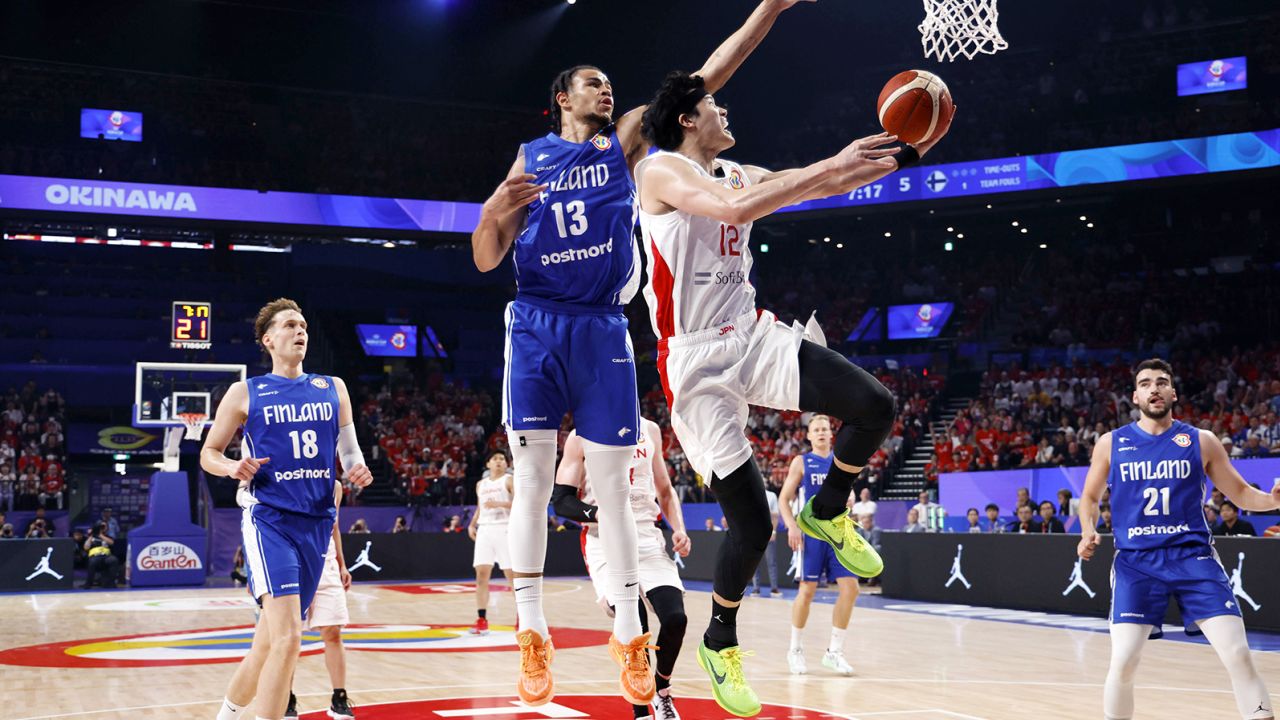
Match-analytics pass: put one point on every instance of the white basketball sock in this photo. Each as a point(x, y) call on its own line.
point(229, 710)
point(609, 472)
point(797, 642)
point(1226, 634)
point(1127, 640)
point(533, 453)
point(837, 639)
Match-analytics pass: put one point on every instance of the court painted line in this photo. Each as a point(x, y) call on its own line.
point(610, 679)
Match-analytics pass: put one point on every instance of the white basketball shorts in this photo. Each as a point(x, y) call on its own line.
point(491, 546)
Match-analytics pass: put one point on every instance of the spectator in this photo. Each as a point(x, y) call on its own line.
point(1231, 523)
point(867, 529)
point(239, 578)
point(972, 516)
point(1210, 515)
point(710, 526)
point(359, 527)
point(39, 519)
point(1049, 522)
point(993, 518)
point(1024, 498)
point(913, 522)
point(1104, 525)
point(8, 485)
point(53, 487)
point(1216, 498)
point(6, 531)
point(930, 514)
point(1067, 504)
point(103, 566)
point(865, 505)
point(1253, 448)
point(1026, 523)
point(109, 520)
point(400, 525)
point(80, 558)
point(454, 524)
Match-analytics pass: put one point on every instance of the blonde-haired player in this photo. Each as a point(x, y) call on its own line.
point(660, 585)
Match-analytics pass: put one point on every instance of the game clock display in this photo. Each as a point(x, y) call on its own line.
point(192, 326)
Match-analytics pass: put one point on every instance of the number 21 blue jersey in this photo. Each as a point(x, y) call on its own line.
point(1157, 488)
point(295, 423)
point(577, 246)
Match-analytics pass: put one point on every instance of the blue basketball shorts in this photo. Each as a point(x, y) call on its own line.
point(284, 552)
point(818, 557)
point(1142, 581)
point(566, 358)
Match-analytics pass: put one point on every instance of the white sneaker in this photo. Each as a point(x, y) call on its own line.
point(834, 660)
point(795, 661)
point(664, 707)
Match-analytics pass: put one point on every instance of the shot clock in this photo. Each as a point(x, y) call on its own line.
point(192, 327)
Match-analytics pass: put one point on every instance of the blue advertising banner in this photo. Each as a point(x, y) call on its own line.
point(97, 439)
point(1212, 76)
point(388, 340)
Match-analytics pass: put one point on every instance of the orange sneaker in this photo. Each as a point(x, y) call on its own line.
point(535, 686)
point(637, 677)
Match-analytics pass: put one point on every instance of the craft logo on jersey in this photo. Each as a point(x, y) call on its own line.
point(168, 555)
point(1182, 440)
point(602, 142)
point(735, 180)
point(324, 384)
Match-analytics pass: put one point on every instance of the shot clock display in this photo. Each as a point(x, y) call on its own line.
point(192, 327)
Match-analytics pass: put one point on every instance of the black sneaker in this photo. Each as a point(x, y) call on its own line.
point(292, 710)
point(340, 708)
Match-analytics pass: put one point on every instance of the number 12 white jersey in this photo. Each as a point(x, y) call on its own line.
point(699, 268)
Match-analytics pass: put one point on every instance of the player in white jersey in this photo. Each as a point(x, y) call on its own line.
point(651, 493)
point(488, 529)
point(717, 351)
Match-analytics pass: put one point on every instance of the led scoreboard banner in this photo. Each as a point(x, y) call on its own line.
point(192, 326)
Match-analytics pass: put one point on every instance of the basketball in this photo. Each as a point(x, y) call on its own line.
point(916, 106)
point(1273, 531)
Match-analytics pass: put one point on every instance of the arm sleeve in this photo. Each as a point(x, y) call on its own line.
point(349, 447)
point(564, 499)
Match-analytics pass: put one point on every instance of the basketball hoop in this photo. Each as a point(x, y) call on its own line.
point(960, 27)
point(194, 423)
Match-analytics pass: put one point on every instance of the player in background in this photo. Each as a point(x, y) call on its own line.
point(1156, 469)
point(488, 529)
point(651, 492)
point(295, 424)
point(718, 353)
point(568, 209)
point(804, 479)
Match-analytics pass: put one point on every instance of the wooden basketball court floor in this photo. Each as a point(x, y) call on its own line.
point(62, 657)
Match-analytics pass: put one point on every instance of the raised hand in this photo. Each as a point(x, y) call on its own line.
point(872, 151)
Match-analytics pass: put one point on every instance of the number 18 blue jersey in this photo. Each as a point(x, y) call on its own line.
point(295, 423)
point(1157, 488)
point(577, 246)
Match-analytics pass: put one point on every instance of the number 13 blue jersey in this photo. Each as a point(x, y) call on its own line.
point(295, 423)
point(577, 246)
point(1157, 488)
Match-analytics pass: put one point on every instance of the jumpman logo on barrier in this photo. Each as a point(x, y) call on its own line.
point(1077, 581)
point(362, 560)
point(956, 572)
point(1237, 584)
point(679, 561)
point(42, 567)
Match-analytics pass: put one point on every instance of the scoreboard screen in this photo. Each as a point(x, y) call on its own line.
point(192, 326)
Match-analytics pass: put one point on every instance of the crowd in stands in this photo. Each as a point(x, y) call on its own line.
point(33, 449)
point(1053, 416)
point(430, 438)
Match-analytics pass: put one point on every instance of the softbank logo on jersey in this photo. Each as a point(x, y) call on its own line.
point(733, 277)
point(576, 254)
point(119, 197)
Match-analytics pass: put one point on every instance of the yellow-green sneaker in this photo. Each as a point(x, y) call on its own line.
point(728, 685)
point(839, 532)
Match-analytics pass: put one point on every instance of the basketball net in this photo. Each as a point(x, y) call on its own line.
point(194, 423)
point(960, 27)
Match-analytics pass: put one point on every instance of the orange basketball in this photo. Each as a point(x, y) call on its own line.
point(916, 106)
point(1273, 531)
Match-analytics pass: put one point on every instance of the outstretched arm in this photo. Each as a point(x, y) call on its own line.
point(715, 72)
point(1227, 479)
point(670, 183)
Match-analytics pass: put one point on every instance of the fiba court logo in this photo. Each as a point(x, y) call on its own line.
point(362, 560)
point(956, 572)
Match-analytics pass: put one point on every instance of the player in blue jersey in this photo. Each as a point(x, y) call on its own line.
point(568, 209)
point(804, 479)
point(1156, 470)
point(295, 424)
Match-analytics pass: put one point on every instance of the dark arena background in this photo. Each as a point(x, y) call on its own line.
point(1107, 193)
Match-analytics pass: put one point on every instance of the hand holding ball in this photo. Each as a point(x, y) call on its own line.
point(916, 106)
